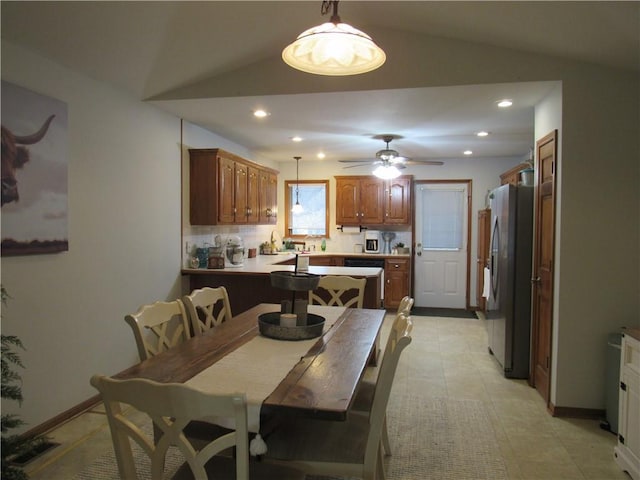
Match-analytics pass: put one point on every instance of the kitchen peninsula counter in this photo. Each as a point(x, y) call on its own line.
point(250, 284)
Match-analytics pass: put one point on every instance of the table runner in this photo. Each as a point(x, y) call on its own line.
point(258, 367)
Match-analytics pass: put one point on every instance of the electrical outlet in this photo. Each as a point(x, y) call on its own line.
point(186, 248)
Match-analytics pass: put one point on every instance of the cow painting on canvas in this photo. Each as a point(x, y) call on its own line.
point(14, 155)
point(34, 172)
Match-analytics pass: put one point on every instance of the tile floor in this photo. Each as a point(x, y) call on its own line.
point(447, 358)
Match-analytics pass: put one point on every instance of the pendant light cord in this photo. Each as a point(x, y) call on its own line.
point(297, 178)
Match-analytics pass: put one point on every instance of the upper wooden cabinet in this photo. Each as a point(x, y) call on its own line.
point(368, 200)
point(359, 200)
point(227, 189)
point(397, 196)
point(512, 176)
point(267, 193)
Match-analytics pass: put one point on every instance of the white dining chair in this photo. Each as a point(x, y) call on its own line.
point(406, 304)
point(350, 448)
point(363, 400)
point(172, 406)
point(207, 307)
point(158, 327)
point(339, 290)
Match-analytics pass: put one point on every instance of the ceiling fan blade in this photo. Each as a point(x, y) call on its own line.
point(361, 160)
point(359, 165)
point(423, 162)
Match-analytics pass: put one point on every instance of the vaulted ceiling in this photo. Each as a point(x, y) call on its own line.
point(213, 63)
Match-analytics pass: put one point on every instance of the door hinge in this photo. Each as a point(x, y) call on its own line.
point(623, 386)
point(621, 438)
point(547, 362)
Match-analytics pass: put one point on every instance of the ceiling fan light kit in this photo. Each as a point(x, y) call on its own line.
point(386, 172)
point(333, 48)
point(389, 161)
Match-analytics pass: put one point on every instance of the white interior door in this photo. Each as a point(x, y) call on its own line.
point(441, 245)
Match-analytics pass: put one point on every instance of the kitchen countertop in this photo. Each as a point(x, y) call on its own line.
point(265, 264)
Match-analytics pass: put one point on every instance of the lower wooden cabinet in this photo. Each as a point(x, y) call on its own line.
point(397, 273)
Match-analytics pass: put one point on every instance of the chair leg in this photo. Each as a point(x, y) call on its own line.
point(385, 437)
point(380, 473)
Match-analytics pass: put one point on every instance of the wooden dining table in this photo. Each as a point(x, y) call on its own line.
point(321, 382)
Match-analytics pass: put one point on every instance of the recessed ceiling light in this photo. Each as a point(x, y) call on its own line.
point(321, 155)
point(260, 113)
point(505, 103)
point(296, 139)
point(468, 152)
point(482, 134)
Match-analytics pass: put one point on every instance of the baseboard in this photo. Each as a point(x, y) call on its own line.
point(575, 412)
point(63, 417)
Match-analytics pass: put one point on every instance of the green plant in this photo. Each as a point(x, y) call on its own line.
point(399, 245)
point(13, 446)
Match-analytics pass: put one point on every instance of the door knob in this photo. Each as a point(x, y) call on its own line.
point(535, 280)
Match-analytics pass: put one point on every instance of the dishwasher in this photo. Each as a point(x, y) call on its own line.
point(368, 262)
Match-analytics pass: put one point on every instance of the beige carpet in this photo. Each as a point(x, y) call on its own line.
point(431, 437)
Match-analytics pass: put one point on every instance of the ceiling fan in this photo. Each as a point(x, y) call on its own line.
point(388, 158)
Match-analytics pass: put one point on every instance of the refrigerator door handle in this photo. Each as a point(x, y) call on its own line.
point(494, 252)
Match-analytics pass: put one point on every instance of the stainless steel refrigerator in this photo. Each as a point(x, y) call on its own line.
point(509, 301)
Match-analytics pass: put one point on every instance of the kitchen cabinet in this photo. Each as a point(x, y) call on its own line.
point(396, 280)
point(627, 451)
point(226, 189)
point(253, 206)
point(319, 260)
point(239, 193)
point(368, 200)
point(484, 228)
point(359, 200)
point(327, 261)
point(267, 191)
point(398, 201)
point(512, 175)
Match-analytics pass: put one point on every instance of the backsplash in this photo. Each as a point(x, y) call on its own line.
point(254, 235)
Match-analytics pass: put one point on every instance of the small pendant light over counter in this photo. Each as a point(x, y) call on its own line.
point(333, 48)
point(297, 208)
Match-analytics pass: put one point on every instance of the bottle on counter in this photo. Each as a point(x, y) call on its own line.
point(323, 245)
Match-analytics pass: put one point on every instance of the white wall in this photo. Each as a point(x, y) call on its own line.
point(599, 244)
point(124, 239)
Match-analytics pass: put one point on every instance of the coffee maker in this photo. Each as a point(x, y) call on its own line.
point(371, 241)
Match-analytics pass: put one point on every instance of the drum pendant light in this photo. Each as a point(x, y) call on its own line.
point(333, 48)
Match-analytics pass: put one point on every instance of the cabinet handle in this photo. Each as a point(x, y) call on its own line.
point(396, 266)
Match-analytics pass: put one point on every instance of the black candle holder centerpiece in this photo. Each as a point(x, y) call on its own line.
point(308, 325)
